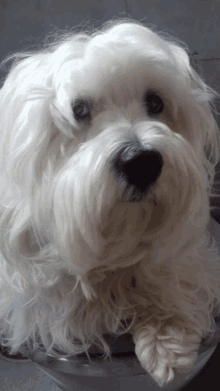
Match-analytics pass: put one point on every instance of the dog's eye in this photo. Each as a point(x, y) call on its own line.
point(81, 110)
point(153, 103)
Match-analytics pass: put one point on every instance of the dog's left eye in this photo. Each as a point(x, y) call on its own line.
point(81, 110)
point(153, 103)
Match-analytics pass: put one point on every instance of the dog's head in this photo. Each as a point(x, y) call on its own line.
point(107, 144)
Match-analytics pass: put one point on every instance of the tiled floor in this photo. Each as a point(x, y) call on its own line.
point(25, 376)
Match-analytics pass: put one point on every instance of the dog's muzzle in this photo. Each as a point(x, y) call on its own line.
point(138, 169)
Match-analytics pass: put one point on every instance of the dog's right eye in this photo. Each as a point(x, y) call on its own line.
point(81, 110)
point(153, 103)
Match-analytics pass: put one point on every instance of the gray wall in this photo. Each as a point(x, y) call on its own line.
point(24, 23)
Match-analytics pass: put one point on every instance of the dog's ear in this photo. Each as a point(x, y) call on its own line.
point(206, 132)
point(185, 66)
point(26, 124)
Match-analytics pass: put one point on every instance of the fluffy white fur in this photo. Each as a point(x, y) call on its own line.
point(79, 258)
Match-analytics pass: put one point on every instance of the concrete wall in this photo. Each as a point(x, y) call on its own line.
point(24, 23)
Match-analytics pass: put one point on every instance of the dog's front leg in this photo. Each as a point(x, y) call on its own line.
point(164, 351)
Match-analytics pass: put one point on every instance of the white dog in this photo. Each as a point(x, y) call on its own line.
point(108, 153)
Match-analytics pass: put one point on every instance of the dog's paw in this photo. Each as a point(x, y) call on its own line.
point(163, 353)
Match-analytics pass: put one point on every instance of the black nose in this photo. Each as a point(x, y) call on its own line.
point(139, 167)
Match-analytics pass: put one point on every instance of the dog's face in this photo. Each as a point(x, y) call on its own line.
point(115, 147)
